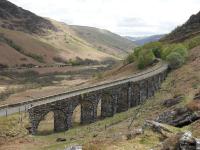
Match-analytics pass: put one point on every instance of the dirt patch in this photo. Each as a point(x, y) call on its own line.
point(2, 88)
point(194, 105)
point(20, 144)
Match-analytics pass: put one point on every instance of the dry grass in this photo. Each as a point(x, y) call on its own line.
point(194, 105)
point(71, 46)
point(29, 44)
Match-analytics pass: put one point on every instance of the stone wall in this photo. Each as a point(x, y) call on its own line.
point(114, 99)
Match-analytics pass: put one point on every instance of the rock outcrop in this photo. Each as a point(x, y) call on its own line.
point(190, 28)
point(173, 101)
point(178, 117)
point(187, 142)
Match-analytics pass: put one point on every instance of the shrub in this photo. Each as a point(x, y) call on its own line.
point(129, 59)
point(79, 61)
point(98, 75)
point(175, 60)
point(181, 49)
point(74, 62)
point(145, 58)
point(194, 42)
point(3, 66)
point(35, 57)
point(156, 48)
point(27, 65)
point(60, 60)
point(137, 50)
point(20, 49)
point(166, 51)
point(178, 48)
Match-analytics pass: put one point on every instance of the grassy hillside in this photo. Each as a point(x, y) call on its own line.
point(71, 46)
point(18, 48)
point(104, 40)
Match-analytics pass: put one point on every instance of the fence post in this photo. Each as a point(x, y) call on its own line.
point(6, 112)
point(19, 110)
point(25, 110)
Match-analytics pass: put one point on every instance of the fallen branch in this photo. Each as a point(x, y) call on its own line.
point(160, 128)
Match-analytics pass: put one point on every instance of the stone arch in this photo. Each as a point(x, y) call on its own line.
point(60, 119)
point(89, 103)
point(62, 110)
point(36, 115)
point(46, 124)
point(69, 107)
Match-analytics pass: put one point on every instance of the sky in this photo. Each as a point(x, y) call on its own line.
point(124, 17)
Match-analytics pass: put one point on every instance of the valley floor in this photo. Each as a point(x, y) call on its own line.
point(14, 89)
point(25, 84)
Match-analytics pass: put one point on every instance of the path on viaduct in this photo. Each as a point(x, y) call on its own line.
point(116, 96)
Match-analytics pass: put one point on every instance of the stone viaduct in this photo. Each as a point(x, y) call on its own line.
point(117, 96)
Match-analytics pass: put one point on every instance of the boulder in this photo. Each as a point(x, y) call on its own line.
point(134, 133)
point(197, 144)
point(74, 148)
point(187, 142)
point(179, 141)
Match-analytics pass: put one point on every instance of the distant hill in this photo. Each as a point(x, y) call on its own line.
point(189, 29)
point(146, 39)
point(28, 39)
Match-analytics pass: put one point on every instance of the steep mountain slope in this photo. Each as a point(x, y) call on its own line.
point(187, 30)
point(147, 39)
point(37, 41)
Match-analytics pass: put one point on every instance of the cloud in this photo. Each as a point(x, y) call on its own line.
point(132, 22)
point(125, 17)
